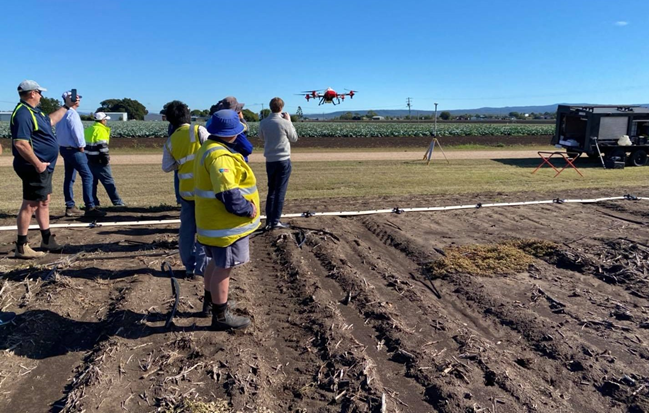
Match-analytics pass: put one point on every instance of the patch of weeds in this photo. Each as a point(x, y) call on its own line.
point(508, 257)
point(534, 247)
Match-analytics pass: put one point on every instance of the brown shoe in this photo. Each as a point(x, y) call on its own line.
point(73, 212)
point(27, 252)
point(52, 245)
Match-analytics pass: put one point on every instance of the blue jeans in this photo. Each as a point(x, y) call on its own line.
point(75, 160)
point(192, 254)
point(103, 174)
point(177, 187)
point(278, 174)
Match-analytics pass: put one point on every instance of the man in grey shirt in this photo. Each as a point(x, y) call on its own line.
point(277, 132)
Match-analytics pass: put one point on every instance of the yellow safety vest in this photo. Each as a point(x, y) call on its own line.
point(217, 169)
point(96, 134)
point(183, 145)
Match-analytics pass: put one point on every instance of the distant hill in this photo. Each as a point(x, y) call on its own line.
point(478, 111)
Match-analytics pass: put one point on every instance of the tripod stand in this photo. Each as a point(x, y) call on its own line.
point(429, 152)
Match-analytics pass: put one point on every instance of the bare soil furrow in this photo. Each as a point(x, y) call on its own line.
point(534, 330)
point(411, 340)
point(348, 360)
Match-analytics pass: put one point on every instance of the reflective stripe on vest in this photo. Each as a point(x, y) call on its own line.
point(186, 159)
point(30, 111)
point(211, 194)
point(192, 133)
point(189, 175)
point(92, 152)
point(186, 194)
point(222, 233)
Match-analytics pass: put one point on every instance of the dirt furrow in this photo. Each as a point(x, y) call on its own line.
point(536, 331)
point(446, 324)
point(351, 367)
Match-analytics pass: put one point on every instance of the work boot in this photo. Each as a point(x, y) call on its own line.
point(94, 213)
point(51, 245)
point(26, 252)
point(207, 305)
point(223, 319)
point(73, 211)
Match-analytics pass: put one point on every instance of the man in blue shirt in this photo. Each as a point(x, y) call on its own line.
point(72, 143)
point(35, 150)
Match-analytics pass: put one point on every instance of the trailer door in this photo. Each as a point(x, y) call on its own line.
point(611, 128)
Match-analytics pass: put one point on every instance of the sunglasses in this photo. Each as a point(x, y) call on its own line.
point(39, 92)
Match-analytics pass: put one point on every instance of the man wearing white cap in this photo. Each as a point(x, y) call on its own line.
point(35, 150)
point(97, 139)
point(72, 143)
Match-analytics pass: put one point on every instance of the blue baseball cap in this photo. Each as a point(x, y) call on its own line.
point(225, 123)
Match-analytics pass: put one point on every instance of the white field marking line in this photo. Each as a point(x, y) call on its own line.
point(343, 213)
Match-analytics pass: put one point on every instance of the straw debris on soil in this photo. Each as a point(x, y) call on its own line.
point(504, 258)
point(218, 406)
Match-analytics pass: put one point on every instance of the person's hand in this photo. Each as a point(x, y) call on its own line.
point(41, 167)
point(72, 105)
point(254, 210)
point(240, 115)
point(82, 149)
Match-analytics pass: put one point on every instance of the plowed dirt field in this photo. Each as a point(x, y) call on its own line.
point(368, 313)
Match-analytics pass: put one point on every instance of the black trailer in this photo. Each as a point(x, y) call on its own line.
point(596, 130)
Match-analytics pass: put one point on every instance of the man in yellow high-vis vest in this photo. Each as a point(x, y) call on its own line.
point(227, 212)
point(179, 155)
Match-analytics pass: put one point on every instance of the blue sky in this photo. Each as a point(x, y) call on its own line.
point(461, 54)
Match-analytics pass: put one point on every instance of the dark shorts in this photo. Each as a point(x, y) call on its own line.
point(36, 187)
point(230, 256)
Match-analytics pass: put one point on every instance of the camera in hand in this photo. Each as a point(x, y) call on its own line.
point(73, 95)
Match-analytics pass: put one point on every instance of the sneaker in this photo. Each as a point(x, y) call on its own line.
point(224, 320)
point(280, 225)
point(52, 245)
point(120, 204)
point(73, 211)
point(28, 253)
point(94, 213)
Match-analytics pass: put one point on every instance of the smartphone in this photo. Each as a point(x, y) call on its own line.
point(73, 95)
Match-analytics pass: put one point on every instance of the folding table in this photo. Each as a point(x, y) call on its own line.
point(546, 158)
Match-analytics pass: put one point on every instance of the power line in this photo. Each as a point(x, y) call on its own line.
point(408, 104)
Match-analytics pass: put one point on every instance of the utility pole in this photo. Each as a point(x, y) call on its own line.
point(408, 104)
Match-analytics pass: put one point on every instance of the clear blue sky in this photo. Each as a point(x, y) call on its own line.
point(461, 54)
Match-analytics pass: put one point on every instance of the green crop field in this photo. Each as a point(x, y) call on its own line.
point(144, 129)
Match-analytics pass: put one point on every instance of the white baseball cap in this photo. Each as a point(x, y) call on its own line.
point(28, 85)
point(101, 116)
